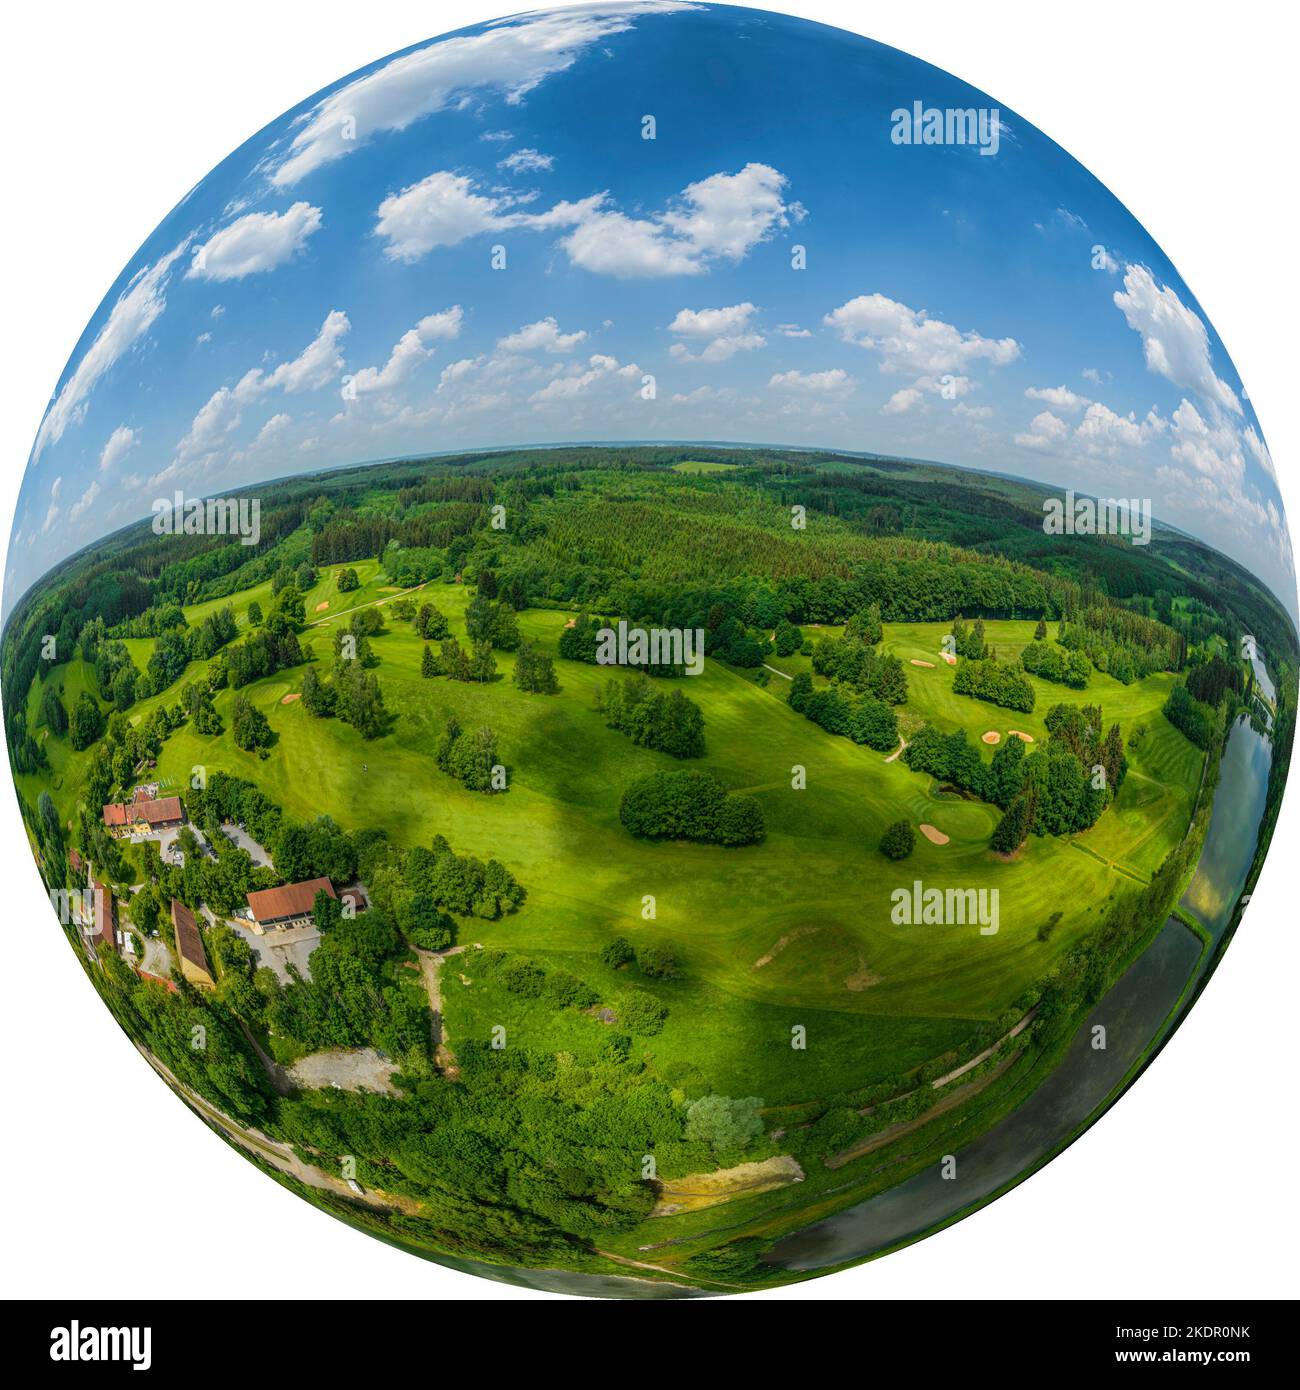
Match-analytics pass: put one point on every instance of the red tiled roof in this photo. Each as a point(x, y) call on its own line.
point(165, 808)
point(292, 900)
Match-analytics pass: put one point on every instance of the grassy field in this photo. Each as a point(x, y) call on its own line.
point(812, 903)
point(703, 466)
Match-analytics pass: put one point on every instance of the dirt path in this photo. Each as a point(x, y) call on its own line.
point(676, 1274)
point(892, 1132)
point(988, 1051)
point(775, 672)
point(898, 752)
point(431, 968)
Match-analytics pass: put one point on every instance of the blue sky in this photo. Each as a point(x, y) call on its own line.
point(333, 291)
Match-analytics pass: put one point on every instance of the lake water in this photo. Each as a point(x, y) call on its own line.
point(1136, 1014)
point(1234, 825)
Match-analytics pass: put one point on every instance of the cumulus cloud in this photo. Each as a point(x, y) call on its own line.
point(835, 382)
point(902, 401)
point(440, 210)
point(1060, 397)
point(527, 162)
point(1045, 431)
point(255, 243)
point(909, 340)
point(319, 363)
point(129, 320)
point(84, 503)
point(600, 370)
point(508, 59)
point(119, 444)
point(723, 333)
point(719, 218)
point(1174, 340)
point(410, 350)
point(1103, 432)
point(543, 336)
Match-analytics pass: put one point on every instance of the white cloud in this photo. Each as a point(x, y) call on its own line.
point(973, 412)
point(722, 217)
point(1059, 397)
point(727, 214)
point(1259, 451)
point(526, 162)
point(719, 218)
point(84, 503)
point(542, 336)
point(272, 430)
point(457, 371)
point(509, 58)
point(445, 324)
point(54, 510)
point(410, 350)
point(319, 363)
point(902, 401)
point(711, 323)
point(407, 354)
point(724, 332)
point(835, 382)
point(1045, 430)
point(441, 210)
point(909, 340)
point(792, 330)
point(1103, 432)
point(255, 243)
point(1209, 447)
point(131, 318)
point(601, 369)
point(119, 444)
point(1174, 340)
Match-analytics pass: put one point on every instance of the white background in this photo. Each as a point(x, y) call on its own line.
point(112, 1187)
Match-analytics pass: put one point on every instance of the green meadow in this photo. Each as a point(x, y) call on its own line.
point(792, 932)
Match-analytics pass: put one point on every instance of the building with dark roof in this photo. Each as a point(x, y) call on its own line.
point(189, 947)
point(105, 917)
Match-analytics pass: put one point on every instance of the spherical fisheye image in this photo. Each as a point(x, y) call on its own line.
point(640, 690)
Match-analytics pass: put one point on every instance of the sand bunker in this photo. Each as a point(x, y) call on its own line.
point(949, 658)
point(291, 697)
point(992, 736)
point(781, 945)
point(573, 622)
point(935, 836)
point(916, 661)
point(324, 604)
point(862, 978)
point(1024, 738)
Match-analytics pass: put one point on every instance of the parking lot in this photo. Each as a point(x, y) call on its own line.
point(279, 949)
